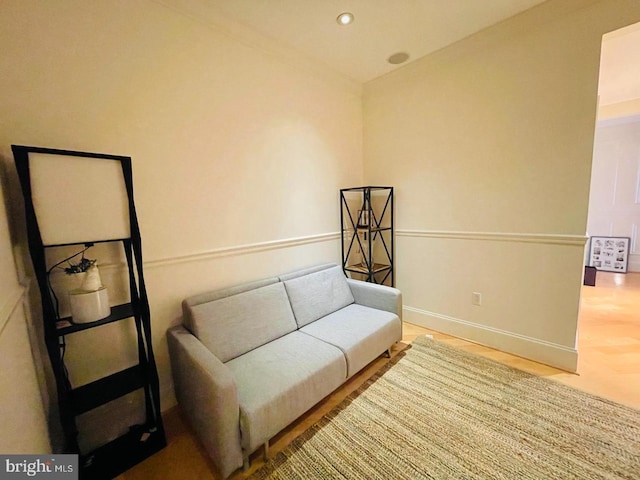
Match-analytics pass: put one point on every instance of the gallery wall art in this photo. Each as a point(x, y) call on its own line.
point(609, 254)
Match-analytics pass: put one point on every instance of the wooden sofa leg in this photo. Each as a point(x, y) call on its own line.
point(245, 462)
point(388, 352)
point(266, 450)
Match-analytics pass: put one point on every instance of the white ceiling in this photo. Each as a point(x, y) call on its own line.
point(360, 50)
point(620, 66)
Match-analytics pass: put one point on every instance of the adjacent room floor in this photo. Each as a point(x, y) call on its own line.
point(608, 365)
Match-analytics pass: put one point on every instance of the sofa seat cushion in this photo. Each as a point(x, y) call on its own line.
point(234, 325)
point(362, 333)
point(318, 294)
point(281, 380)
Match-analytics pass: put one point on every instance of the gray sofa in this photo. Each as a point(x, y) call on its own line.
point(250, 359)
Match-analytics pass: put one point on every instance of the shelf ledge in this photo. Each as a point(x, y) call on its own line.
point(65, 326)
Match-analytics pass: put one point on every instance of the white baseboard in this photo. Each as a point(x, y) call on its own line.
point(552, 354)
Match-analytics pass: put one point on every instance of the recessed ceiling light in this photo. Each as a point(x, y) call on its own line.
point(345, 18)
point(398, 58)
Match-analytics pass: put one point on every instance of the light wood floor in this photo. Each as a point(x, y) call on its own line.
point(608, 366)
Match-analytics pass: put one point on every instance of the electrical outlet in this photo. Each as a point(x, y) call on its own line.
point(476, 298)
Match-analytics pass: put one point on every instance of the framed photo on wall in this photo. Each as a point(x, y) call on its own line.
point(609, 254)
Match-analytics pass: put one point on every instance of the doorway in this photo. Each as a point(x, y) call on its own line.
point(609, 322)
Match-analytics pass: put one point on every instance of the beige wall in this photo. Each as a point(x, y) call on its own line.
point(22, 413)
point(489, 144)
point(238, 153)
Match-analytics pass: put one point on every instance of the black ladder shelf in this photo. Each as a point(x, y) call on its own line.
point(367, 226)
point(141, 441)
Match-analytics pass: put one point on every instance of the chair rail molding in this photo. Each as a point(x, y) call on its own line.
point(244, 249)
point(541, 238)
point(9, 305)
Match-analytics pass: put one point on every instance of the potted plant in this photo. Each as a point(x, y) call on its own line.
point(90, 300)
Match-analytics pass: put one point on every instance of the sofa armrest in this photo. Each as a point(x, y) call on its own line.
point(377, 296)
point(207, 394)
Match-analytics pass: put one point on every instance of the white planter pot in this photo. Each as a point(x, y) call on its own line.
point(89, 306)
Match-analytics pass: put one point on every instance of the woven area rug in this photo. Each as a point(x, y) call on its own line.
point(441, 413)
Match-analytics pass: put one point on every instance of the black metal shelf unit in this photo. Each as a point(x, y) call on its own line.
point(367, 224)
point(141, 441)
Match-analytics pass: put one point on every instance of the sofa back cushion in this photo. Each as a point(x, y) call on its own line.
point(305, 271)
point(318, 294)
point(218, 294)
point(236, 324)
